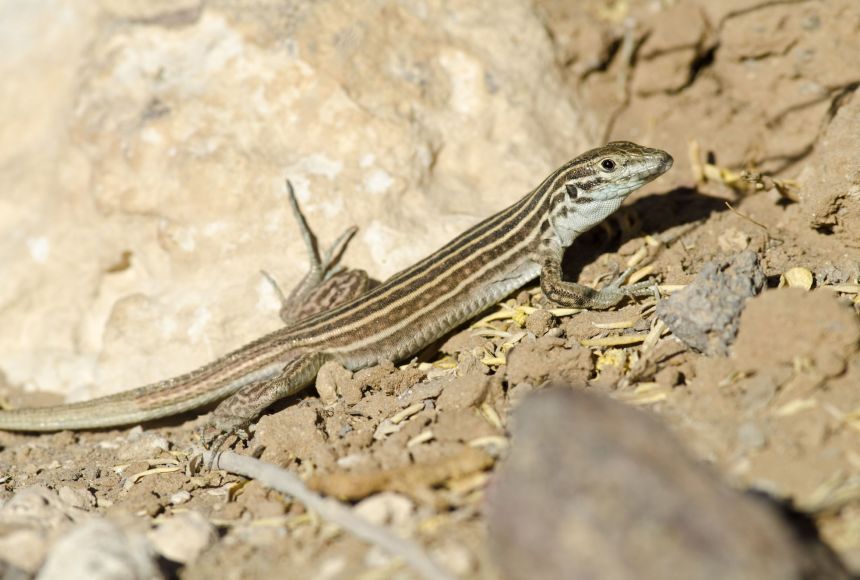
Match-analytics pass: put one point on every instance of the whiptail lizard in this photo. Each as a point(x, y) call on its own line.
point(401, 316)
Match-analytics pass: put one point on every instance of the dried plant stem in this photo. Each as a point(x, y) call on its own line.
point(330, 510)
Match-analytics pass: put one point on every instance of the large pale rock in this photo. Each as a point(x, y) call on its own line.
point(144, 148)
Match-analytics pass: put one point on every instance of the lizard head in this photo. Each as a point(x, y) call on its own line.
point(619, 168)
point(592, 186)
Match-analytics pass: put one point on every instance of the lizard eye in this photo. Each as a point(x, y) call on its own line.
point(607, 165)
point(571, 190)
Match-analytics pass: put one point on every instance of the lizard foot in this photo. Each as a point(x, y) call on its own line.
point(616, 290)
point(215, 433)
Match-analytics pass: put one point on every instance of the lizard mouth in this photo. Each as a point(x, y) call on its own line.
point(661, 163)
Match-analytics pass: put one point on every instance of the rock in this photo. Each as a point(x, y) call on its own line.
point(705, 314)
point(539, 322)
point(830, 181)
point(595, 489)
point(100, 550)
point(40, 507)
point(464, 392)
point(456, 558)
point(180, 497)
point(144, 189)
point(31, 519)
point(77, 498)
point(143, 446)
point(23, 549)
point(387, 509)
point(182, 538)
point(333, 380)
point(421, 391)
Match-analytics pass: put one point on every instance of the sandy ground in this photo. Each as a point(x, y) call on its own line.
point(415, 445)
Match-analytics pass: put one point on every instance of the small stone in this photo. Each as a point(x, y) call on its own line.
point(469, 363)
point(420, 392)
point(79, 498)
point(456, 558)
point(751, 436)
point(40, 507)
point(464, 392)
point(183, 537)
point(142, 447)
point(540, 321)
point(555, 332)
point(180, 497)
point(387, 508)
point(668, 377)
point(797, 278)
point(333, 379)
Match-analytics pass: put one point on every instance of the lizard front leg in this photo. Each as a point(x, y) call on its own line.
point(573, 295)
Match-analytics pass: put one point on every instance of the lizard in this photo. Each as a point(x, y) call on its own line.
point(357, 326)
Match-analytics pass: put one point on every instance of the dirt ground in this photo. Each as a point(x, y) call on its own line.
point(769, 88)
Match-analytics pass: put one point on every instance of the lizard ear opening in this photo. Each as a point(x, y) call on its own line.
point(571, 190)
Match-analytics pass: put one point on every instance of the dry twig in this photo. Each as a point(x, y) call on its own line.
point(329, 509)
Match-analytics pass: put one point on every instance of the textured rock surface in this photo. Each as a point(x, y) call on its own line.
point(705, 314)
point(144, 147)
point(751, 80)
point(787, 325)
point(830, 183)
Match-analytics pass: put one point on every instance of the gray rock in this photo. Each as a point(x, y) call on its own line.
point(595, 489)
point(100, 550)
point(183, 538)
point(705, 314)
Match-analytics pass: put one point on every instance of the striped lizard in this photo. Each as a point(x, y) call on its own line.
point(357, 327)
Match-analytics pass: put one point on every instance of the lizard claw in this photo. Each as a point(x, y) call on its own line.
point(639, 289)
point(215, 434)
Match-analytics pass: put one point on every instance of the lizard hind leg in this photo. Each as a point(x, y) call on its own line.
point(327, 283)
point(234, 414)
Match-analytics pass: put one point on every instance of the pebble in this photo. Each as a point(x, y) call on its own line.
point(79, 498)
point(183, 537)
point(386, 508)
point(539, 322)
point(180, 497)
